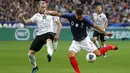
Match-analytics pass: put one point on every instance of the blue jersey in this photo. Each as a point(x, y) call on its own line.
point(78, 27)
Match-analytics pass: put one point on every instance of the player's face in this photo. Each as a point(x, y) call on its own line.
point(42, 7)
point(79, 17)
point(99, 9)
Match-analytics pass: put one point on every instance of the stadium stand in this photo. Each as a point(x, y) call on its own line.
point(117, 11)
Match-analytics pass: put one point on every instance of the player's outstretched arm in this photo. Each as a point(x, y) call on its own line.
point(21, 16)
point(106, 24)
point(54, 13)
point(102, 30)
point(59, 29)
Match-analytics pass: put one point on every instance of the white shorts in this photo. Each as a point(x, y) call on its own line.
point(85, 44)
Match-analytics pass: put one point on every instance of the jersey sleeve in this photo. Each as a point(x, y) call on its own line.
point(94, 17)
point(56, 18)
point(67, 15)
point(104, 18)
point(88, 21)
point(33, 18)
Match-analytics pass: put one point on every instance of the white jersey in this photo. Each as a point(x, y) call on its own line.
point(100, 19)
point(55, 25)
point(44, 23)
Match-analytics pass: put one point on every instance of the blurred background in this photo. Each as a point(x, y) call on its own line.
point(117, 12)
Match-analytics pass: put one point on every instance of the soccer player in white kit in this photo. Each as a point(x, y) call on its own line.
point(56, 24)
point(101, 20)
point(44, 35)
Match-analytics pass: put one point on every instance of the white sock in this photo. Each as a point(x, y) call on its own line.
point(32, 60)
point(49, 47)
point(97, 44)
point(55, 43)
point(104, 45)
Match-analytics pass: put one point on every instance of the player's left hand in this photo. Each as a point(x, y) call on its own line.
point(109, 34)
point(56, 37)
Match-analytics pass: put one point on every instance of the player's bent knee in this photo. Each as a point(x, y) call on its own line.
point(71, 53)
point(31, 52)
point(49, 40)
point(30, 55)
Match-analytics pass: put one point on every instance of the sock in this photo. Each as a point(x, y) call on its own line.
point(104, 53)
point(55, 44)
point(104, 45)
point(74, 64)
point(49, 47)
point(103, 50)
point(32, 60)
point(97, 44)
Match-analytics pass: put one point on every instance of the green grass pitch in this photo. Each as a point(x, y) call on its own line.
point(14, 59)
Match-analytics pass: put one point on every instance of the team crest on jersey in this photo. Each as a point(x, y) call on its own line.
point(72, 23)
point(82, 25)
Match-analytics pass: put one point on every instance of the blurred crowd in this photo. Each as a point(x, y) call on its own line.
point(117, 11)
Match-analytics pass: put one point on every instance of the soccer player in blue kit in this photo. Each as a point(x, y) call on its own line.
point(78, 23)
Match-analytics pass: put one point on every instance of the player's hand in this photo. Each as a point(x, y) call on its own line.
point(21, 15)
point(56, 37)
point(109, 34)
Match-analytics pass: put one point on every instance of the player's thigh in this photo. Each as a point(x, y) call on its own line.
point(75, 47)
point(88, 45)
point(50, 36)
point(37, 43)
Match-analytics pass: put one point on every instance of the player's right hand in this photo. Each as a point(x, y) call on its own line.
point(56, 36)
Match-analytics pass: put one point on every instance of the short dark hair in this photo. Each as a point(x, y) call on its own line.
point(79, 11)
point(97, 4)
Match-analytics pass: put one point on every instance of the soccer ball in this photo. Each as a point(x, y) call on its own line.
point(91, 57)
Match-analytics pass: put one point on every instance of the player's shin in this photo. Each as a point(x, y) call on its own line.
point(97, 44)
point(74, 62)
point(49, 47)
point(103, 50)
point(55, 45)
point(32, 60)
